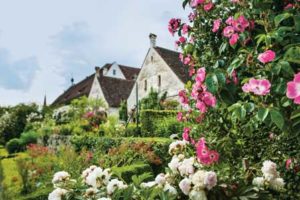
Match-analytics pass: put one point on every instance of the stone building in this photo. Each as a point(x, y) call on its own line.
point(161, 70)
point(112, 83)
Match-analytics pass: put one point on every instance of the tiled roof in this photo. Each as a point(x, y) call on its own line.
point(114, 89)
point(78, 90)
point(129, 72)
point(172, 59)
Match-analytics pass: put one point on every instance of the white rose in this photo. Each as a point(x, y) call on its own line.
point(269, 170)
point(198, 179)
point(185, 186)
point(197, 195)
point(115, 184)
point(169, 188)
point(174, 164)
point(60, 176)
point(57, 194)
point(148, 184)
point(258, 181)
point(210, 179)
point(160, 179)
point(277, 184)
point(187, 167)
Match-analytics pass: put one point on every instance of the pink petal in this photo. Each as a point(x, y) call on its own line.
point(293, 90)
point(297, 100)
point(297, 78)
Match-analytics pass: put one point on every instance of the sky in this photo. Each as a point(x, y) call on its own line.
point(43, 44)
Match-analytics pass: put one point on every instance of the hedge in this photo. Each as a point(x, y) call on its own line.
point(105, 143)
point(149, 118)
point(126, 172)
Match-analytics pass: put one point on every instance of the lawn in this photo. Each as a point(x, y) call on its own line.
point(12, 181)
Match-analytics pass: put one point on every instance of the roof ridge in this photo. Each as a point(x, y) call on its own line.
point(167, 49)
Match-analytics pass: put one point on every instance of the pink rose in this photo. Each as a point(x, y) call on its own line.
point(288, 163)
point(200, 75)
point(228, 31)
point(208, 7)
point(237, 26)
point(209, 99)
point(196, 3)
point(185, 29)
point(192, 16)
point(288, 6)
point(243, 21)
point(229, 21)
point(234, 38)
point(293, 89)
point(180, 117)
point(186, 133)
point(267, 56)
point(257, 86)
point(174, 25)
point(201, 106)
point(182, 39)
point(216, 25)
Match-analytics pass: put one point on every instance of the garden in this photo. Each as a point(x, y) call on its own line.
point(236, 134)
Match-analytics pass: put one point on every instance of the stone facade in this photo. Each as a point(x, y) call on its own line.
point(156, 74)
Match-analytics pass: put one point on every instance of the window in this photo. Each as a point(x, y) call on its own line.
point(145, 85)
point(114, 72)
point(159, 80)
point(152, 59)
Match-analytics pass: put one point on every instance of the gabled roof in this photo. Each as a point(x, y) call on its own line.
point(114, 89)
point(80, 89)
point(173, 61)
point(129, 72)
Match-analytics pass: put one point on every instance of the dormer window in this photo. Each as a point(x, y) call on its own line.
point(114, 72)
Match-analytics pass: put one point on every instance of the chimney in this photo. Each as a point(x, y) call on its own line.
point(152, 38)
point(97, 69)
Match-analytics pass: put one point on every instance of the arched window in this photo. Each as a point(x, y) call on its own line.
point(159, 81)
point(145, 85)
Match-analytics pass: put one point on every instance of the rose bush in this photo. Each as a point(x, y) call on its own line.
point(242, 108)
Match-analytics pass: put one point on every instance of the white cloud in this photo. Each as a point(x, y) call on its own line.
point(57, 39)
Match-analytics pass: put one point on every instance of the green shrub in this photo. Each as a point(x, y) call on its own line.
point(28, 138)
point(126, 172)
point(150, 117)
point(40, 194)
point(13, 122)
point(167, 126)
point(65, 129)
point(93, 142)
point(14, 145)
point(132, 131)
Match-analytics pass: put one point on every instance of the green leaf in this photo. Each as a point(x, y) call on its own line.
point(279, 18)
point(295, 114)
point(277, 118)
point(262, 114)
point(185, 2)
point(293, 55)
point(211, 82)
point(221, 77)
point(297, 23)
point(223, 47)
point(286, 67)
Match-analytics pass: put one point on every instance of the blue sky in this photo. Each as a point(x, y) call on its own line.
point(45, 43)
